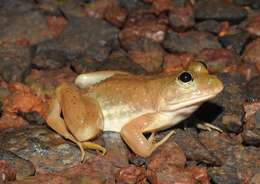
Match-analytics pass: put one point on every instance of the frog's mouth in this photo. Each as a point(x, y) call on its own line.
point(196, 102)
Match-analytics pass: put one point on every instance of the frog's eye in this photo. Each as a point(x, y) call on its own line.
point(185, 77)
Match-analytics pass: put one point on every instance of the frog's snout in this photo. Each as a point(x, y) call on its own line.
point(216, 84)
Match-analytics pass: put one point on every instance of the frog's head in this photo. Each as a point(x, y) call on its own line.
point(188, 89)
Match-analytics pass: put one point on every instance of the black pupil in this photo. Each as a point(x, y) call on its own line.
point(185, 77)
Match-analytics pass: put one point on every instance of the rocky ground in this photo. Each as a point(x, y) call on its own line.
point(46, 42)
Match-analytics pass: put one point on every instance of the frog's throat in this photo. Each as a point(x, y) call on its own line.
point(189, 103)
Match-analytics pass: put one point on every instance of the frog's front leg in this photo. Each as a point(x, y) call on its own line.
point(81, 121)
point(132, 134)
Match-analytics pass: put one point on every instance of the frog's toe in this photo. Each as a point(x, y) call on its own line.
point(208, 127)
point(91, 145)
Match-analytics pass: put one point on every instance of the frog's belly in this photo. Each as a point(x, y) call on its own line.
point(116, 117)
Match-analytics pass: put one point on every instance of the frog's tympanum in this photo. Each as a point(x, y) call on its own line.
point(129, 104)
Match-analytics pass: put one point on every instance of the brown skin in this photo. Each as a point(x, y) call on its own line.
point(121, 102)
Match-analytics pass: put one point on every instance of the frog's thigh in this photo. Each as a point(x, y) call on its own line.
point(87, 79)
point(57, 123)
point(132, 134)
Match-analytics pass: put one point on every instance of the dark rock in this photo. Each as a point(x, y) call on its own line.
point(47, 150)
point(84, 37)
point(233, 123)
point(235, 42)
point(131, 5)
point(255, 4)
point(192, 41)
point(219, 10)
point(117, 151)
point(211, 26)
point(242, 2)
point(119, 60)
point(220, 145)
point(181, 18)
point(27, 28)
point(253, 90)
point(48, 59)
point(16, 6)
point(251, 137)
point(32, 117)
point(231, 99)
point(193, 149)
point(24, 168)
point(241, 166)
point(225, 174)
point(15, 62)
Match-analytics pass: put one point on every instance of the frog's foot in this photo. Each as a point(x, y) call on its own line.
point(94, 146)
point(132, 133)
point(208, 127)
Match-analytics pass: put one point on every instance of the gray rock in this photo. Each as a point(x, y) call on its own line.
point(15, 62)
point(192, 42)
point(219, 10)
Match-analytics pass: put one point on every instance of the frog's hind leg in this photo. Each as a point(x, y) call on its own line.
point(57, 123)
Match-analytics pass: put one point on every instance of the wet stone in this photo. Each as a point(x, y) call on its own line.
point(193, 41)
point(23, 168)
point(47, 150)
point(219, 10)
point(235, 42)
point(15, 62)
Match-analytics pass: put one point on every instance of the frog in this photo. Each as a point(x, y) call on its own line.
point(136, 106)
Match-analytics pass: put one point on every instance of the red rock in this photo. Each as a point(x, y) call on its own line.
point(151, 61)
point(173, 62)
point(7, 172)
point(217, 59)
point(253, 25)
point(115, 15)
point(142, 25)
point(251, 53)
point(131, 175)
point(56, 25)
